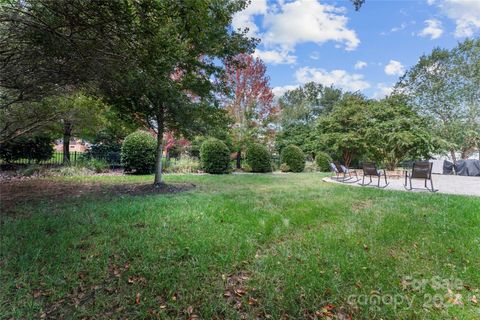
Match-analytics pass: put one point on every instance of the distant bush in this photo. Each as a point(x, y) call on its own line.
point(138, 152)
point(258, 158)
point(70, 171)
point(323, 161)
point(293, 156)
point(185, 164)
point(310, 166)
point(284, 167)
point(37, 148)
point(215, 156)
point(97, 165)
point(33, 169)
point(246, 167)
point(106, 145)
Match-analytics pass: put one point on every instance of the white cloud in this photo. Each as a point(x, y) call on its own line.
point(338, 78)
point(303, 21)
point(360, 65)
point(287, 24)
point(279, 91)
point(275, 57)
point(465, 13)
point(433, 29)
point(399, 28)
point(245, 18)
point(430, 2)
point(382, 91)
point(315, 55)
point(394, 68)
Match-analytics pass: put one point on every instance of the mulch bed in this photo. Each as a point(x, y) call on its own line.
point(38, 190)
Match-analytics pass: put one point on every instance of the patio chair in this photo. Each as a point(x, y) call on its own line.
point(370, 169)
point(339, 170)
point(420, 170)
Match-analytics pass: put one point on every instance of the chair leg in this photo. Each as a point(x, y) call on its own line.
point(363, 181)
point(431, 185)
point(380, 178)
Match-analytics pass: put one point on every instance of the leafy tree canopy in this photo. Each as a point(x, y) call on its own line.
point(153, 60)
point(444, 86)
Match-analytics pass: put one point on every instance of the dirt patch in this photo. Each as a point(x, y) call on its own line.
point(16, 193)
point(362, 205)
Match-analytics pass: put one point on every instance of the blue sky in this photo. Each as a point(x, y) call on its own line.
point(329, 42)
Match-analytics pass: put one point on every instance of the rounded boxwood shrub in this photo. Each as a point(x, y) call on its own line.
point(323, 161)
point(258, 158)
point(138, 152)
point(215, 156)
point(294, 158)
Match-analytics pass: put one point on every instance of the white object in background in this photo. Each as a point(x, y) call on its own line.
point(437, 166)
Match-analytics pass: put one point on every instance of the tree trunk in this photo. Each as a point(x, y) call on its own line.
point(454, 157)
point(347, 158)
point(391, 166)
point(167, 158)
point(239, 159)
point(158, 160)
point(67, 135)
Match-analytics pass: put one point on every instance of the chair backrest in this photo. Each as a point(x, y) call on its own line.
point(369, 169)
point(340, 168)
point(333, 167)
point(422, 170)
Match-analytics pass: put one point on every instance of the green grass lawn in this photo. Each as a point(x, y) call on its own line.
point(270, 246)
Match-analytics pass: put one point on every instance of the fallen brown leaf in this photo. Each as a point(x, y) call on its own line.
point(189, 310)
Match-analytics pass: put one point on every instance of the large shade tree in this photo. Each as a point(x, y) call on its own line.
point(339, 132)
point(445, 86)
point(386, 131)
point(78, 116)
point(300, 108)
point(153, 60)
point(394, 131)
point(249, 102)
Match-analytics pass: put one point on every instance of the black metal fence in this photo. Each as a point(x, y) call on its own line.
point(56, 159)
point(78, 158)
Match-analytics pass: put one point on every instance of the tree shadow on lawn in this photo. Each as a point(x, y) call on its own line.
point(18, 193)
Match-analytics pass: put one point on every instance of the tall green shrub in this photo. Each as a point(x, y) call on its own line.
point(258, 158)
point(294, 158)
point(36, 147)
point(215, 156)
point(323, 161)
point(138, 152)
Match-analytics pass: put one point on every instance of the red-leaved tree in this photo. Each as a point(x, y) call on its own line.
point(250, 102)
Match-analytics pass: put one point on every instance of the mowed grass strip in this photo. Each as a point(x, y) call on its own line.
point(267, 246)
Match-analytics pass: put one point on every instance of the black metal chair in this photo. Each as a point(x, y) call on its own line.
point(370, 169)
point(339, 169)
point(420, 170)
